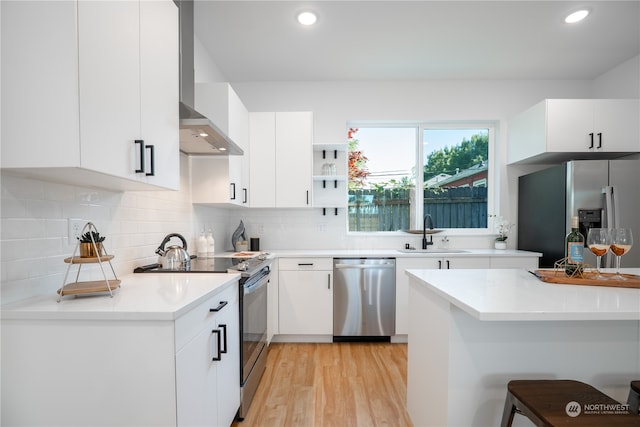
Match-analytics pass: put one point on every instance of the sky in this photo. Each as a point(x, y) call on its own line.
point(390, 150)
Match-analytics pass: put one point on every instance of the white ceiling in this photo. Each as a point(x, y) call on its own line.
point(411, 40)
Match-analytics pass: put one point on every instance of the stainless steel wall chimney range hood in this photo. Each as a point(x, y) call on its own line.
point(198, 134)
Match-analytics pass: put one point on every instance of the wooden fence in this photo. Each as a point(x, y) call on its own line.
point(390, 209)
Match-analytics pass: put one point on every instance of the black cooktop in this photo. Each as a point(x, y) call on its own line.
point(211, 265)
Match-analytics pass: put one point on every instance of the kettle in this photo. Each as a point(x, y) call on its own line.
point(175, 257)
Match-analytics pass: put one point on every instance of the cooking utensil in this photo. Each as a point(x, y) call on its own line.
point(175, 257)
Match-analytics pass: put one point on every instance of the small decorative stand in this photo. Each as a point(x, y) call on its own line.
point(94, 286)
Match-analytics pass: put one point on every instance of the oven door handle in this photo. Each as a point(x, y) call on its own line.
point(256, 286)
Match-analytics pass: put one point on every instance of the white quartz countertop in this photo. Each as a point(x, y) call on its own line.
point(150, 296)
point(515, 294)
point(435, 253)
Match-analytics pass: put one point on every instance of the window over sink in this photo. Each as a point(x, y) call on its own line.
point(385, 194)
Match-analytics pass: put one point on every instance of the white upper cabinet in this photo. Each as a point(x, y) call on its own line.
point(556, 130)
point(262, 162)
point(281, 159)
point(219, 179)
point(88, 79)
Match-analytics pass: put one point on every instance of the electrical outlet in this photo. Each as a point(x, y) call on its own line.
point(74, 229)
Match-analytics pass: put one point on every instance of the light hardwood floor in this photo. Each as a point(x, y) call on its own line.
point(340, 384)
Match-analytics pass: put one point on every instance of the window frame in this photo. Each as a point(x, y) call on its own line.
point(421, 126)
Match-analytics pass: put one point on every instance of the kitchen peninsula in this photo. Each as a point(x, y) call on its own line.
point(472, 331)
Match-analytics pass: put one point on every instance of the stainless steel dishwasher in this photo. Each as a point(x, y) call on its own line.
point(364, 299)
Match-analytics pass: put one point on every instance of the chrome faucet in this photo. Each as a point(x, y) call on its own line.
point(426, 243)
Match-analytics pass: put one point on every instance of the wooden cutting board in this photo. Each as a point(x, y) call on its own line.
point(558, 277)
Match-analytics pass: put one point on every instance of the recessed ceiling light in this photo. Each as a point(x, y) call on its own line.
point(307, 18)
point(576, 16)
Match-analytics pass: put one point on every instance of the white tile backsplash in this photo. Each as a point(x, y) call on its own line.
point(33, 235)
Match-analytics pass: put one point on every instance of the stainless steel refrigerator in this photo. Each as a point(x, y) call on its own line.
point(364, 299)
point(602, 193)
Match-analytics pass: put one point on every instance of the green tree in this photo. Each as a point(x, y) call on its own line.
point(462, 156)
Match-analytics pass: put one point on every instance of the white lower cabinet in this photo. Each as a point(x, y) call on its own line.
point(88, 372)
point(305, 296)
point(208, 365)
point(402, 280)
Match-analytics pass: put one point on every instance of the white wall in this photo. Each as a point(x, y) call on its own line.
point(622, 81)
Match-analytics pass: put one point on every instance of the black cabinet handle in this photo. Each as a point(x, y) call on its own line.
point(244, 191)
point(448, 265)
point(307, 197)
point(233, 191)
point(224, 342)
point(218, 357)
point(591, 135)
point(328, 281)
point(219, 307)
point(439, 265)
point(306, 264)
point(151, 149)
point(599, 139)
point(141, 142)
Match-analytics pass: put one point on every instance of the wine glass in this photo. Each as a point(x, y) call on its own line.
point(599, 241)
point(621, 242)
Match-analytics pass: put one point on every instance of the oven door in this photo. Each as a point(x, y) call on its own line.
point(253, 317)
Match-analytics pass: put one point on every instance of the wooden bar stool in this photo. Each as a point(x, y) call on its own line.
point(634, 397)
point(551, 403)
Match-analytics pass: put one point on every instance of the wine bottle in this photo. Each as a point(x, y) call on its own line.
point(574, 249)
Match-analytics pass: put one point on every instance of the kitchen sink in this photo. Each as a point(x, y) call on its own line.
point(433, 251)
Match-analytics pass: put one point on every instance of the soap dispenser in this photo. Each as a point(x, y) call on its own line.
point(201, 247)
point(211, 245)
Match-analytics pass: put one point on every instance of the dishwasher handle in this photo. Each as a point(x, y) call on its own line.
point(364, 266)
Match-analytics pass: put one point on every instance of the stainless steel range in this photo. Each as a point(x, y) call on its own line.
point(254, 278)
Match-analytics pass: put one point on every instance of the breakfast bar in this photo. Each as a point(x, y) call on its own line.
point(472, 331)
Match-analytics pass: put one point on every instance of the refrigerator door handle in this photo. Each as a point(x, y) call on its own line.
point(611, 213)
point(611, 207)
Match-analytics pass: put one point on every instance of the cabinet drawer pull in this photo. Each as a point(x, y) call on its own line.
point(591, 135)
point(439, 265)
point(224, 341)
point(218, 352)
point(219, 307)
point(141, 142)
point(151, 149)
point(599, 139)
point(305, 264)
point(233, 191)
point(328, 281)
point(244, 190)
point(448, 265)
